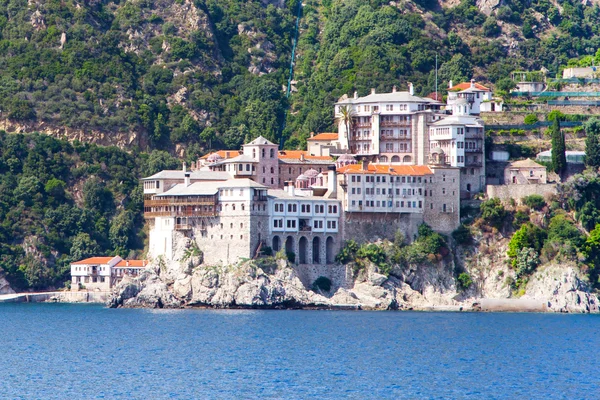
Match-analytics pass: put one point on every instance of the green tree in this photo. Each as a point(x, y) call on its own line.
point(592, 142)
point(559, 158)
point(493, 212)
point(83, 247)
point(527, 236)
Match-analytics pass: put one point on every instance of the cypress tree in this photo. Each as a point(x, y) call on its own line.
point(592, 142)
point(559, 158)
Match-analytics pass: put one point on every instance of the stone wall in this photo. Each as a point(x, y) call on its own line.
point(365, 227)
point(517, 192)
point(442, 205)
point(340, 275)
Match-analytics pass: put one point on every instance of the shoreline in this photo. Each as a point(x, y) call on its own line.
point(478, 305)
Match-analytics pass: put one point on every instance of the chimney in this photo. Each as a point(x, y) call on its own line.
point(290, 188)
point(472, 83)
point(372, 90)
point(226, 154)
point(184, 167)
point(312, 134)
point(331, 182)
point(394, 89)
point(365, 165)
point(187, 179)
point(450, 84)
point(127, 263)
point(355, 94)
point(411, 89)
point(302, 157)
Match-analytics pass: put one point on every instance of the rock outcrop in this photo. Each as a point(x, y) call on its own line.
point(5, 286)
point(273, 283)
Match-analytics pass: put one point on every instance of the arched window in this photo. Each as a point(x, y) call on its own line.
point(272, 153)
point(263, 153)
point(272, 170)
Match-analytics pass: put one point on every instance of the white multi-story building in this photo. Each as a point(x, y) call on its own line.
point(405, 195)
point(103, 273)
point(390, 127)
point(461, 137)
point(308, 226)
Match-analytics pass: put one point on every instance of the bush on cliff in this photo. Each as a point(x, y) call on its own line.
point(528, 236)
point(464, 280)
point(534, 201)
point(493, 212)
point(462, 235)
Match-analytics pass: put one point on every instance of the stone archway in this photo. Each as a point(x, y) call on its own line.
point(316, 250)
point(329, 250)
point(302, 250)
point(276, 243)
point(289, 245)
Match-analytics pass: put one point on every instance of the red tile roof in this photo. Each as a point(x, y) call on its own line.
point(412, 170)
point(296, 154)
point(132, 263)
point(325, 136)
point(466, 85)
point(94, 260)
point(224, 154)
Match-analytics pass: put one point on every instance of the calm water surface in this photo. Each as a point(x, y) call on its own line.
point(87, 351)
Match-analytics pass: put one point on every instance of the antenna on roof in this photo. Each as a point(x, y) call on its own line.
point(436, 79)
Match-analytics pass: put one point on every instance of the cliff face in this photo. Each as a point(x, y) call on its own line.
point(270, 283)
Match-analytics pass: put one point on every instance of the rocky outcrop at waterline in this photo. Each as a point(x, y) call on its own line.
point(272, 283)
point(5, 286)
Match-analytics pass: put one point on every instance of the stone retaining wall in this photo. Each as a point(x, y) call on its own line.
point(517, 192)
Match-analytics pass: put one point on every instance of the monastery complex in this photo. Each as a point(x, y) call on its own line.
point(397, 161)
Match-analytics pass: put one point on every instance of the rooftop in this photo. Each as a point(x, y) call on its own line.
point(297, 154)
point(466, 85)
point(223, 154)
point(195, 175)
point(209, 188)
point(283, 194)
point(132, 263)
point(467, 120)
point(324, 136)
point(94, 260)
point(406, 170)
point(402, 97)
point(527, 163)
point(260, 140)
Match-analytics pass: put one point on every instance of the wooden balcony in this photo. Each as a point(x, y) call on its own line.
point(392, 124)
point(180, 213)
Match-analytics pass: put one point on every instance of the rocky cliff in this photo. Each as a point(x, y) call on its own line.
point(272, 283)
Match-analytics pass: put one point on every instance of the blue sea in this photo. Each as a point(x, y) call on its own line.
point(60, 351)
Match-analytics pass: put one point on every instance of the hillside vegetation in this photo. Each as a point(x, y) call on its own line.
point(62, 202)
point(203, 74)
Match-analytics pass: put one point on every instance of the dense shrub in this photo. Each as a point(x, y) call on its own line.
point(531, 119)
point(493, 212)
point(534, 201)
point(528, 236)
point(463, 235)
point(464, 280)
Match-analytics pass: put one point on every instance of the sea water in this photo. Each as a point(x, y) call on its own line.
point(61, 351)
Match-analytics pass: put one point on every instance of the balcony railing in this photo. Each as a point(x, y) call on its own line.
point(473, 164)
point(184, 213)
point(183, 201)
point(361, 125)
point(183, 227)
point(388, 124)
point(473, 150)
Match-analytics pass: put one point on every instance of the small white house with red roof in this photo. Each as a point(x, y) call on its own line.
point(478, 97)
point(102, 273)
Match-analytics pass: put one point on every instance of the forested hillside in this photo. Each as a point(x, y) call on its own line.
point(61, 202)
point(193, 75)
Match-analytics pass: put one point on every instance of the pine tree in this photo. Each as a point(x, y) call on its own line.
point(592, 142)
point(559, 158)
